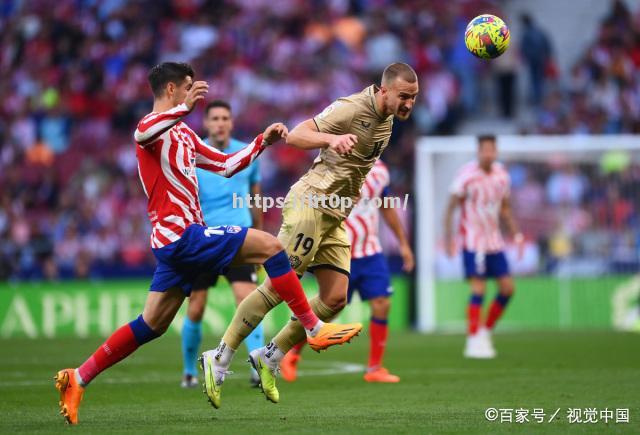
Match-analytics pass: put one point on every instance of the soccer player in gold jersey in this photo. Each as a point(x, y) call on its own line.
point(351, 134)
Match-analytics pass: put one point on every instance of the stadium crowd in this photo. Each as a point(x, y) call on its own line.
point(602, 93)
point(583, 216)
point(74, 86)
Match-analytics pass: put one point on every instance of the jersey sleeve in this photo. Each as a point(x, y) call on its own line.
point(154, 124)
point(223, 164)
point(335, 118)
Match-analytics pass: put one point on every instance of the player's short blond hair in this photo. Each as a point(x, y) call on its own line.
point(399, 70)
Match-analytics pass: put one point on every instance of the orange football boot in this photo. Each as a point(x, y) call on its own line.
point(331, 334)
point(289, 366)
point(70, 394)
point(381, 375)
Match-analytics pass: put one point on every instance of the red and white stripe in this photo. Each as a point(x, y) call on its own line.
point(363, 222)
point(168, 152)
point(482, 195)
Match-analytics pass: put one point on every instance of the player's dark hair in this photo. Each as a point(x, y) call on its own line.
point(486, 138)
point(215, 104)
point(402, 70)
point(168, 72)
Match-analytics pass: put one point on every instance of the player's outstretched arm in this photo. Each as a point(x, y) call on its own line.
point(307, 137)
point(229, 164)
point(391, 218)
point(156, 123)
point(274, 133)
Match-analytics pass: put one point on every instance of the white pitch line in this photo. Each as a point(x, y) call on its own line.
point(334, 368)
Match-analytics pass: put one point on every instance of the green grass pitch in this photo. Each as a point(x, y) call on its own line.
point(440, 392)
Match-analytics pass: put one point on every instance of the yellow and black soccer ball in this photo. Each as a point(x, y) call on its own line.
point(487, 36)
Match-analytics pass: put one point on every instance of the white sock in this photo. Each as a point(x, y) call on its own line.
point(314, 331)
point(78, 378)
point(223, 355)
point(273, 354)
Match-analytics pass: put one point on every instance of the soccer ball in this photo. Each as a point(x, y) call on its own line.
point(487, 36)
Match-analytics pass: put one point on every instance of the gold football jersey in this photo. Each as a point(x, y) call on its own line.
point(335, 175)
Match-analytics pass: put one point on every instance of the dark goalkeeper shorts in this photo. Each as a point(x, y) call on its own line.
point(243, 273)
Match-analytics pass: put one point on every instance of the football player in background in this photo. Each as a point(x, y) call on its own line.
point(216, 201)
point(481, 190)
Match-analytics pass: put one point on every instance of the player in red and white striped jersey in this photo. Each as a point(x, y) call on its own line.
point(168, 152)
point(363, 222)
point(369, 271)
point(481, 190)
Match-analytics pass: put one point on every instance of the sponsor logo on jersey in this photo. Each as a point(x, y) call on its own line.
point(295, 261)
point(327, 111)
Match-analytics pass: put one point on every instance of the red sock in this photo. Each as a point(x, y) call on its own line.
point(473, 313)
point(297, 349)
point(474, 319)
point(119, 345)
point(290, 290)
point(378, 340)
point(496, 310)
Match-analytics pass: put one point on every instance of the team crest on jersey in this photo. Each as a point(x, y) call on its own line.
point(295, 261)
point(233, 229)
point(327, 111)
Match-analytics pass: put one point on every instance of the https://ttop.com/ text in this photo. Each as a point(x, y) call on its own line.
point(332, 201)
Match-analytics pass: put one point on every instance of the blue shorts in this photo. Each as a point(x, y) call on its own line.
point(479, 265)
point(370, 277)
point(200, 249)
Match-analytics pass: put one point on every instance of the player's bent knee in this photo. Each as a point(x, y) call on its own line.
point(382, 304)
point(507, 290)
point(272, 246)
point(506, 287)
point(336, 303)
point(478, 291)
point(196, 313)
point(159, 327)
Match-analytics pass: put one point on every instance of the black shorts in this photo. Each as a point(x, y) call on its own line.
point(244, 273)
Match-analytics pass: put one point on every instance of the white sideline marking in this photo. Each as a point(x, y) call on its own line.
point(325, 369)
point(335, 368)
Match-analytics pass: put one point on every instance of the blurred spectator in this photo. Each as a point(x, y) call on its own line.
point(54, 129)
point(40, 154)
point(74, 86)
point(536, 51)
point(602, 94)
point(566, 186)
point(505, 68)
